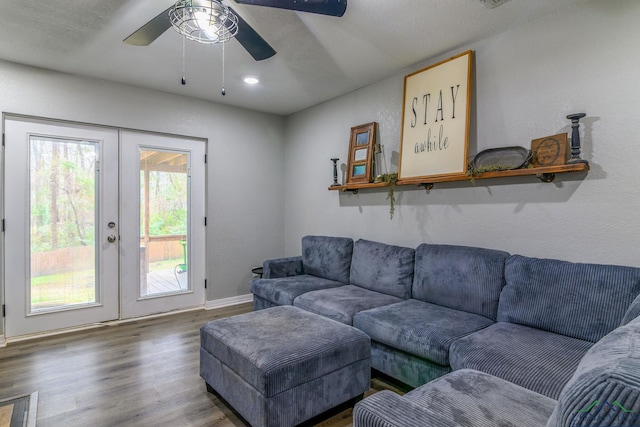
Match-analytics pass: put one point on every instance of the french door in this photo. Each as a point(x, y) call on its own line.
point(162, 235)
point(61, 192)
point(100, 224)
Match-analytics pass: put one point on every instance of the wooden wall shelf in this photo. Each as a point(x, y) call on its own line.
point(545, 174)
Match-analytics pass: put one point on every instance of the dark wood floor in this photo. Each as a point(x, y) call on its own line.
point(143, 373)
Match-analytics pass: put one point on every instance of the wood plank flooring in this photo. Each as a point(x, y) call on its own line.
point(142, 373)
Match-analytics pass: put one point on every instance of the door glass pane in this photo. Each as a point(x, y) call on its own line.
point(63, 194)
point(163, 222)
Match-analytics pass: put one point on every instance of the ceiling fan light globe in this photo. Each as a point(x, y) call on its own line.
point(202, 18)
point(204, 21)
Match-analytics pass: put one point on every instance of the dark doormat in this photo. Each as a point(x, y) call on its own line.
point(19, 411)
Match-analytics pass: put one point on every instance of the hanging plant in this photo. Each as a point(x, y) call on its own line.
point(390, 180)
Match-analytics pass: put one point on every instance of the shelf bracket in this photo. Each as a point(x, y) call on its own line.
point(546, 177)
point(426, 185)
point(353, 190)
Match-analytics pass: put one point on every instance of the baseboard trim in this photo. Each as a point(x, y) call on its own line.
point(54, 332)
point(228, 302)
point(94, 326)
point(209, 305)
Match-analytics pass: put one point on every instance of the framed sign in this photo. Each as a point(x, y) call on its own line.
point(360, 161)
point(435, 119)
point(550, 150)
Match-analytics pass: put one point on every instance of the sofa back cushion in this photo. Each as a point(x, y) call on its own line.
point(382, 268)
point(460, 277)
point(327, 257)
point(584, 301)
point(605, 388)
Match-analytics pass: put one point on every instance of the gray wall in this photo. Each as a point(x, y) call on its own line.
point(526, 81)
point(268, 176)
point(245, 221)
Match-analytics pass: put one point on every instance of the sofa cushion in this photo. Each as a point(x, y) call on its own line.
point(605, 388)
point(475, 399)
point(327, 257)
point(382, 268)
point(463, 398)
point(388, 409)
point(343, 303)
point(419, 328)
point(584, 301)
point(532, 358)
point(459, 277)
point(284, 290)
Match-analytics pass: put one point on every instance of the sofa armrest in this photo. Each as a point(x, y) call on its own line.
point(282, 267)
point(632, 311)
point(388, 409)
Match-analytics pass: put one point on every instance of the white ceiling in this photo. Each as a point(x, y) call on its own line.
point(319, 57)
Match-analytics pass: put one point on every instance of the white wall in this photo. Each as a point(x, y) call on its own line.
point(526, 82)
point(245, 214)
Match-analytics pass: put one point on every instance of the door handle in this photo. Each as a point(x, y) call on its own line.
point(111, 238)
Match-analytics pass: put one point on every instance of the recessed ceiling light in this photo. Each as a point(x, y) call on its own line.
point(251, 80)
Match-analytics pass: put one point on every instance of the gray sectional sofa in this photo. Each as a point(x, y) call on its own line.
point(466, 319)
point(604, 390)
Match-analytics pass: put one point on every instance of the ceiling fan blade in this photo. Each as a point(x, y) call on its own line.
point(150, 31)
point(323, 7)
point(257, 47)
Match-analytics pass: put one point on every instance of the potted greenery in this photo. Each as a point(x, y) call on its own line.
point(390, 180)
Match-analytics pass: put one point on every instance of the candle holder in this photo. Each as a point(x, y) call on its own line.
point(575, 138)
point(377, 162)
point(335, 172)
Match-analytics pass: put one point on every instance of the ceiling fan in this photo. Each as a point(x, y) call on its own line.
point(257, 47)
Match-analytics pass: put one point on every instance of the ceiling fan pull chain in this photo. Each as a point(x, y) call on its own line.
point(223, 91)
point(184, 62)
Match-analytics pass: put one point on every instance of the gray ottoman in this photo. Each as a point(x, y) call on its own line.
point(282, 366)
